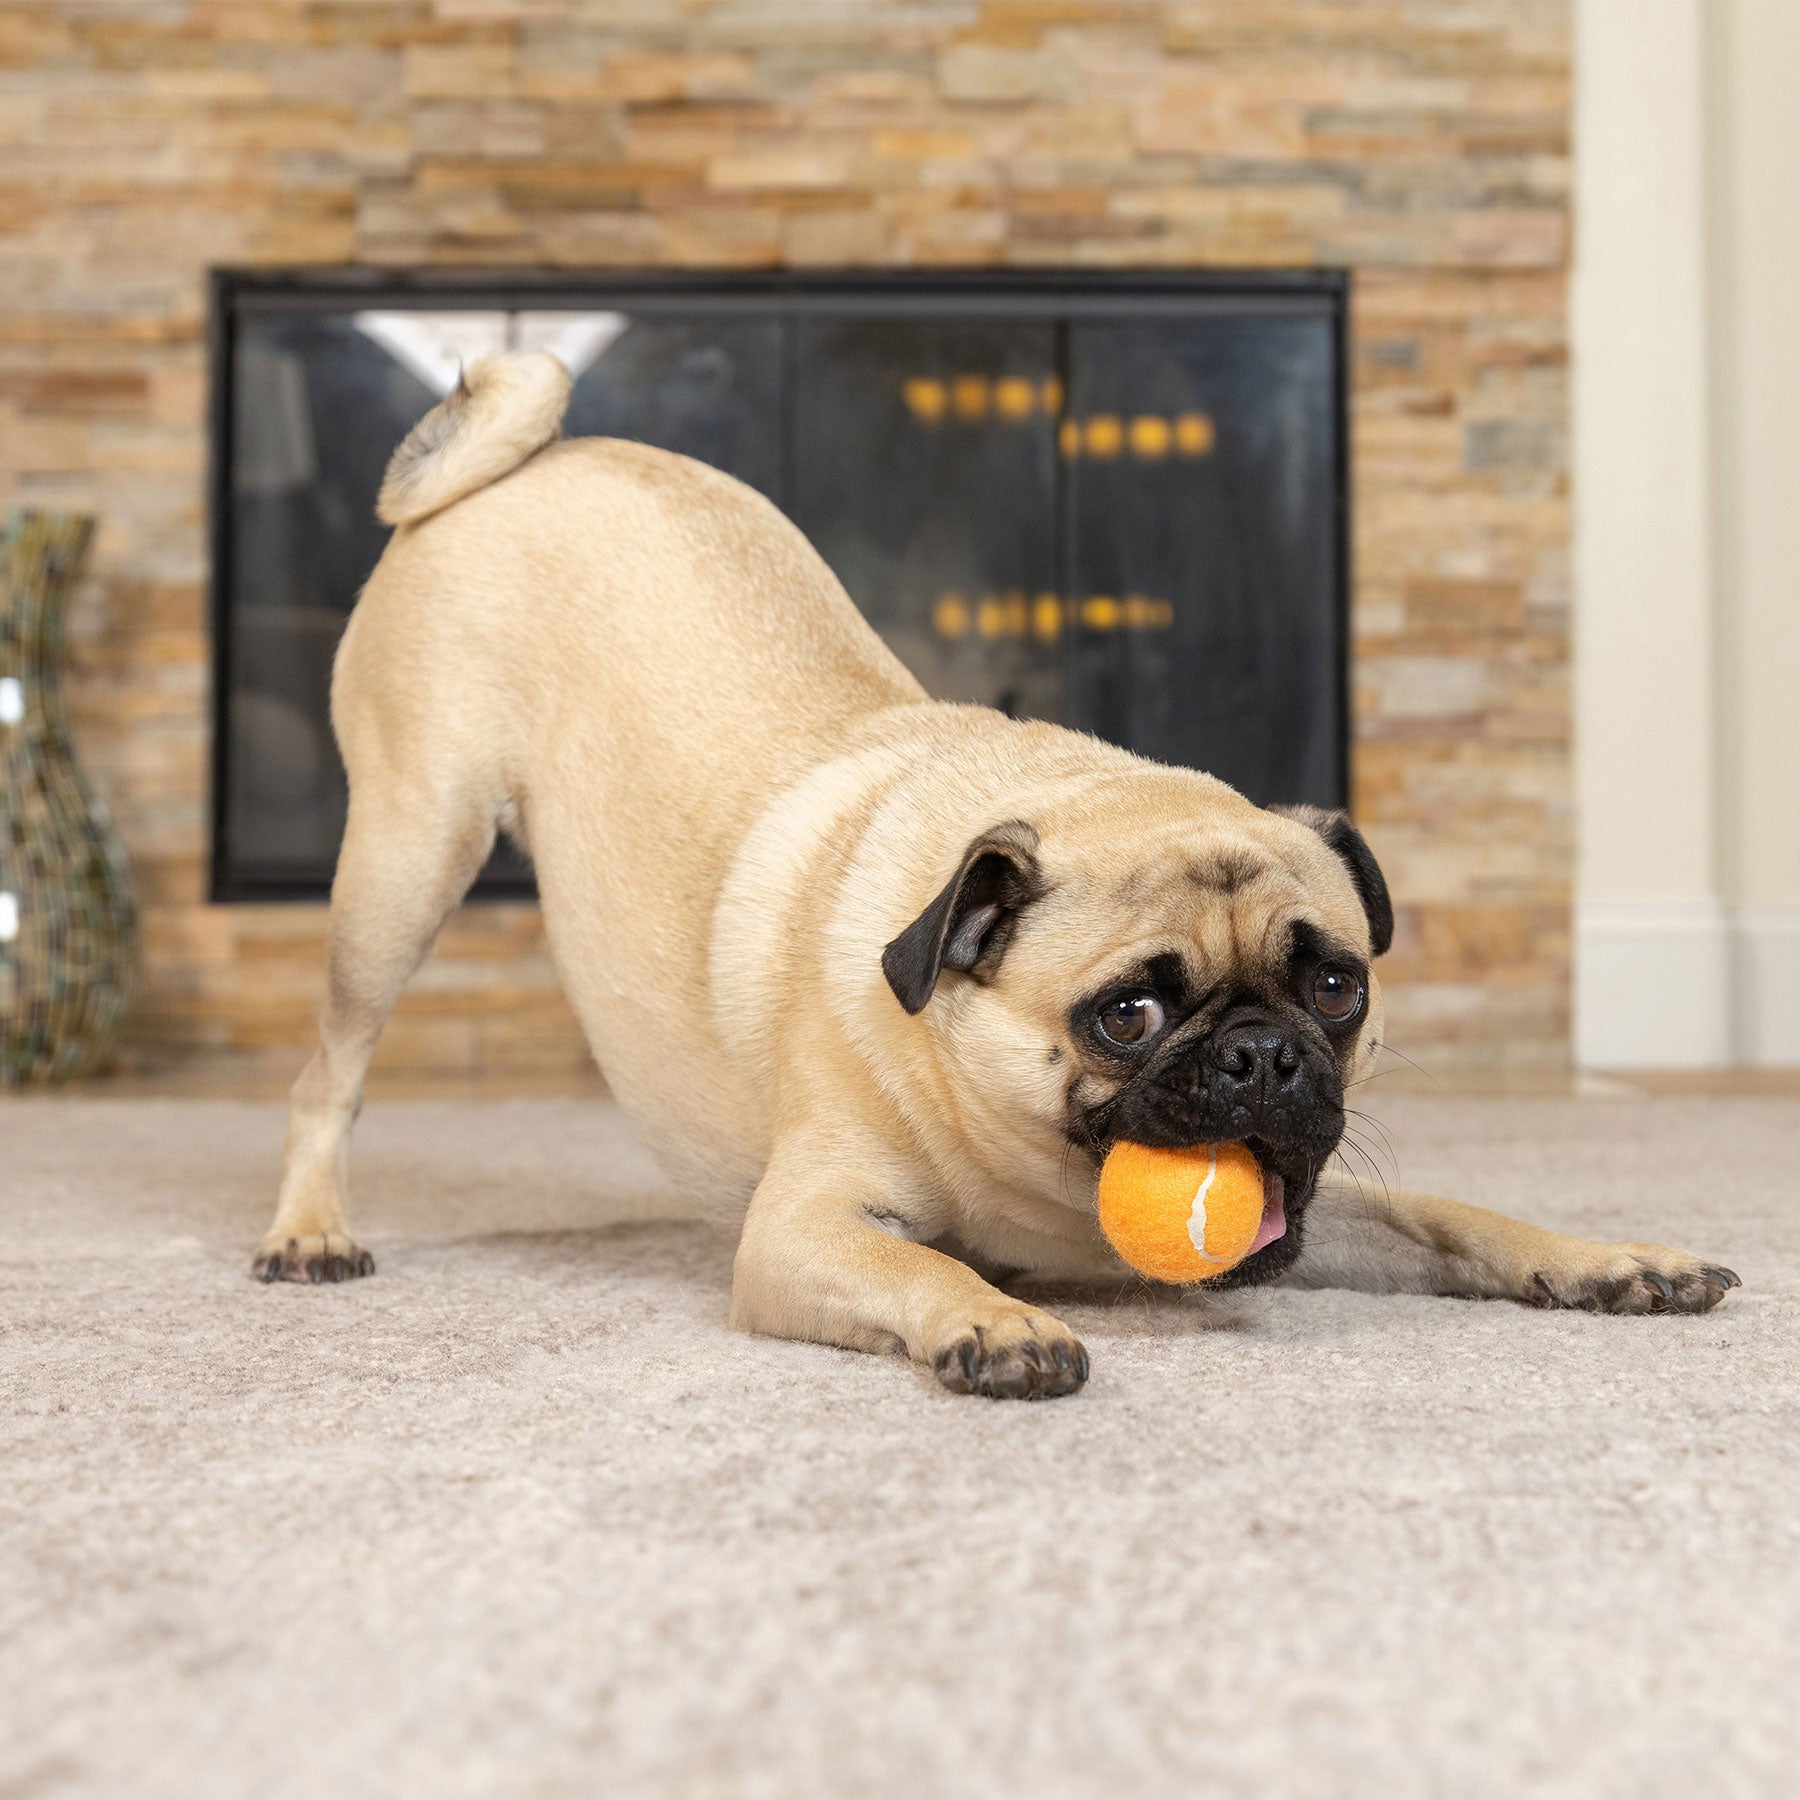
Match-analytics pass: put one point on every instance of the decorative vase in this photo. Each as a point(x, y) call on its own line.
point(68, 925)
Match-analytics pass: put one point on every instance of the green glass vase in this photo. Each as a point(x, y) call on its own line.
point(68, 925)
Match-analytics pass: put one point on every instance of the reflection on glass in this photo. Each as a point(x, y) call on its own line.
point(317, 408)
point(1201, 471)
point(924, 461)
point(709, 388)
point(1126, 524)
point(319, 401)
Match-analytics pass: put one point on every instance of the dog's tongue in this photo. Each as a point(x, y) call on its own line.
point(1274, 1219)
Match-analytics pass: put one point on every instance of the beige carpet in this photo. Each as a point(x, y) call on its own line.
point(520, 1517)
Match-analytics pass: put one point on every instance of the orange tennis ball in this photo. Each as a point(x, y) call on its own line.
point(1181, 1215)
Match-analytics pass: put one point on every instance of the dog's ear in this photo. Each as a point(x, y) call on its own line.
point(1356, 856)
point(969, 924)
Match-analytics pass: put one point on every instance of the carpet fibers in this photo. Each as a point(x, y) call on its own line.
point(520, 1516)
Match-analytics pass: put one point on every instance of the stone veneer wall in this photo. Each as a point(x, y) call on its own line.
point(1422, 143)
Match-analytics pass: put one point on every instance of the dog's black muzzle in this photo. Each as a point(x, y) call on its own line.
point(1253, 1078)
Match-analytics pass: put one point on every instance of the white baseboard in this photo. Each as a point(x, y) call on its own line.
point(1767, 984)
point(1686, 984)
point(1652, 984)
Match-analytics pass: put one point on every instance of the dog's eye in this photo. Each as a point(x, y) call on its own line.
point(1134, 1019)
point(1337, 995)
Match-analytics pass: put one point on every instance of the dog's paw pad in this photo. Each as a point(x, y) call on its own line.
point(321, 1257)
point(1022, 1357)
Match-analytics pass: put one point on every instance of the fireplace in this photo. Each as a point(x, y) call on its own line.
point(1113, 500)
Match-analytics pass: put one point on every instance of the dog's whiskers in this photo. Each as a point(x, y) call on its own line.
point(1356, 1183)
point(1349, 1144)
point(1369, 1122)
point(1372, 1154)
point(1389, 1050)
point(1063, 1182)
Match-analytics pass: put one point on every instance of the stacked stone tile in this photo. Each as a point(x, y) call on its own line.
point(1423, 143)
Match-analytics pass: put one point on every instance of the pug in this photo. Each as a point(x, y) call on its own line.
point(880, 977)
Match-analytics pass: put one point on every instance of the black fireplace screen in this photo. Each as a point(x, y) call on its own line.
point(1117, 502)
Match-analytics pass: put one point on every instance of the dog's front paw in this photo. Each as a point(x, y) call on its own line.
point(1015, 1354)
point(1632, 1278)
point(320, 1256)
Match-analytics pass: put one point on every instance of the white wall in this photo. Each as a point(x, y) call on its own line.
point(1686, 324)
point(1755, 97)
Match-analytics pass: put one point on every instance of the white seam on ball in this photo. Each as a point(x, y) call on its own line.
point(1197, 1217)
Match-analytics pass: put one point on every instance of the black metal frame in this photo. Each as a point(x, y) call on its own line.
point(907, 293)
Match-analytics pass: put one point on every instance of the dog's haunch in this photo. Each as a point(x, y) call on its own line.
point(1183, 1215)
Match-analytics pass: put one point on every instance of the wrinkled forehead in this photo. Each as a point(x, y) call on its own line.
point(1233, 900)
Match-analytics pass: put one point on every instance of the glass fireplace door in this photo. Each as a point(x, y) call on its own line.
point(1201, 487)
point(924, 469)
point(1113, 503)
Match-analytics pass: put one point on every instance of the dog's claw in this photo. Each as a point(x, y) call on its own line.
point(1027, 1357)
point(1653, 1281)
point(313, 1260)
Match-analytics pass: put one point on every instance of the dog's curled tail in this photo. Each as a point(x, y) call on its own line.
point(504, 409)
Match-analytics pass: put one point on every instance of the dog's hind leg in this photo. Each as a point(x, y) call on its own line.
point(425, 794)
point(410, 852)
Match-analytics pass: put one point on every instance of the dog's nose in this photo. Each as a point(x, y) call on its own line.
point(1255, 1065)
